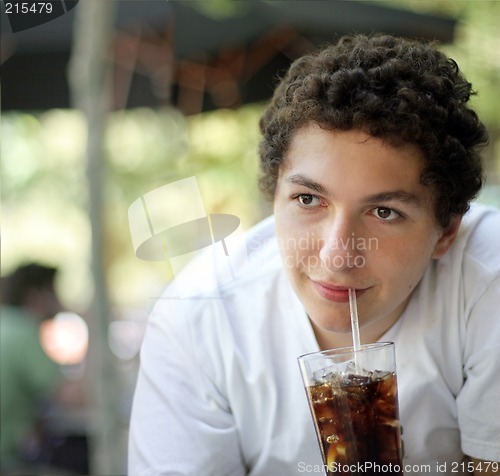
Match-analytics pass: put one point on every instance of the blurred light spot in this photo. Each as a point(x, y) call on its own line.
point(125, 338)
point(65, 338)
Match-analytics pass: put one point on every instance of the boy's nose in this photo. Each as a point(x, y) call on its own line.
point(339, 244)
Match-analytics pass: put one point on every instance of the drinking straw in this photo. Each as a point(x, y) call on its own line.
point(355, 328)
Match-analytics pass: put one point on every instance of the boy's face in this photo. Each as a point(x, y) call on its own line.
point(351, 213)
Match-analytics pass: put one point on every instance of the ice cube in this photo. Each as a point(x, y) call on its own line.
point(332, 439)
point(353, 369)
point(380, 374)
point(389, 443)
point(336, 454)
point(356, 380)
point(328, 429)
point(385, 410)
point(326, 375)
point(388, 386)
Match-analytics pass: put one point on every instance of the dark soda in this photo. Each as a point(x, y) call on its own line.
point(357, 422)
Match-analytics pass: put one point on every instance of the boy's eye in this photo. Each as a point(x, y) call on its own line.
point(308, 200)
point(386, 214)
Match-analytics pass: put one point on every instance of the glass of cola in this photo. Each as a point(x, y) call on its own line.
point(353, 399)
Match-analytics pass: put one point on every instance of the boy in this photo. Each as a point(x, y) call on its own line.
point(371, 157)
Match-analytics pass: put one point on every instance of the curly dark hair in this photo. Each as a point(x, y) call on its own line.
point(401, 90)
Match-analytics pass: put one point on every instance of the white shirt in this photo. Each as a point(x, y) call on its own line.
point(219, 391)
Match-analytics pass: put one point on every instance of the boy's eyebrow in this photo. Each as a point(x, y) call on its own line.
point(390, 196)
point(394, 196)
point(299, 179)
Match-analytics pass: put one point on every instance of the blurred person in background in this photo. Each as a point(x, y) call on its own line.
point(29, 378)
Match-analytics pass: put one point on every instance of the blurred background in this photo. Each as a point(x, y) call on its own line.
point(107, 101)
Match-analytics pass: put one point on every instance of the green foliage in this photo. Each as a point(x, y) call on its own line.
point(44, 191)
point(476, 47)
point(44, 185)
point(220, 9)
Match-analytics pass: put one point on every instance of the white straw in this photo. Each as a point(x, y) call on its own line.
point(355, 328)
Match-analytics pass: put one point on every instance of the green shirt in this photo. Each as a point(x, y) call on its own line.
point(27, 375)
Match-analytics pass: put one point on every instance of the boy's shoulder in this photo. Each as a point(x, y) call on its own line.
point(478, 238)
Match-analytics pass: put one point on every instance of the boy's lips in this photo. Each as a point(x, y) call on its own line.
point(335, 293)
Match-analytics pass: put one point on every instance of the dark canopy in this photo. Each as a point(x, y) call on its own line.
point(171, 52)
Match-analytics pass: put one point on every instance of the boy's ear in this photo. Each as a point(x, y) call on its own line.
point(447, 237)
